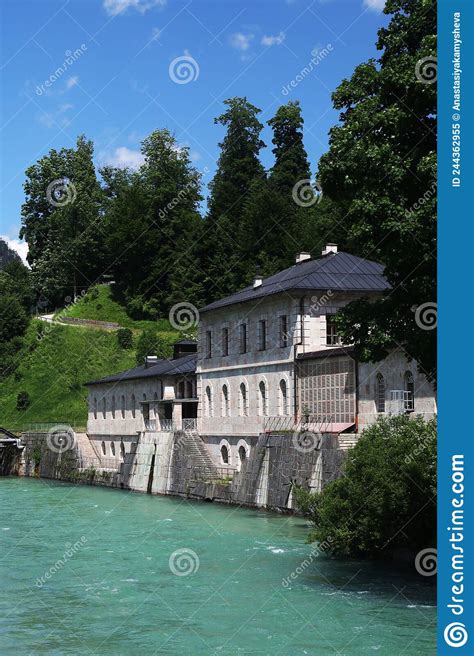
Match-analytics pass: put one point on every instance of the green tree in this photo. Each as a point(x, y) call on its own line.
point(381, 166)
point(279, 213)
point(153, 220)
point(238, 167)
point(151, 342)
point(386, 498)
point(62, 222)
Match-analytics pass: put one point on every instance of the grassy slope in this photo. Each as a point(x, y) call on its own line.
point(98, 304)
point(53, 369)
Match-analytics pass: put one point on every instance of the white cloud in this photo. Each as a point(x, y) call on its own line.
point(116, 7)
point(56, 118)
point(241, 41)
point(275, 40)
point(123, 157)
point(20, 247)
point(72, 82)
point(376, 5)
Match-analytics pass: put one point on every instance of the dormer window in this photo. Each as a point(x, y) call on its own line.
point(332, 336)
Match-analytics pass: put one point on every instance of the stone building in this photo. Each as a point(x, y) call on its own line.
point(268, 358)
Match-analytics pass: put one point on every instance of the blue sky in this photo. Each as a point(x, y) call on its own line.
point(117, 69)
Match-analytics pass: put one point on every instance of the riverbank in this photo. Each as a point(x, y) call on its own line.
point(95, 571)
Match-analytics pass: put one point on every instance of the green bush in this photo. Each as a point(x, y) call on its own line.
point(386, 498)
point(151, 342)
point(125, 338)
point(22, 400)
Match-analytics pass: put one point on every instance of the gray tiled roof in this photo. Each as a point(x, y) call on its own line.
point(335, 271)
point(178, 366)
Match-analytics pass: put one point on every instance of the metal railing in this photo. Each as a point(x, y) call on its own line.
point(150, 424)
point(189, 424)
point(166, 424)
point(287, 424)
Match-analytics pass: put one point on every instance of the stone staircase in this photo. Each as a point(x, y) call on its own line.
point(195, 449)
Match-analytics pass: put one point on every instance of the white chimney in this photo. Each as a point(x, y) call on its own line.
point(150, 361)
point(257, 281)
point(302, 257)
point(330, 248)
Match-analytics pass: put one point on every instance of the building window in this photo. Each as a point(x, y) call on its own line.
point(283, 397)
point(134, 405)
point(189, 389)
point(103, 448)
point(225, 454)
point(208, 344)
point(181, 389)
point(283, 329)
point(155, 405)
point(263, 398)
point(242, 453)
point(225, 341)
point(95, 408)
point(262, 335)
point(122, 450)
point(332, 337)
point(122, 406)
point(380, 393)
point(113, 407)
point(208, 401)
point(409, 392)
point(244, 404)
point(112, 448)
point(225, 401)
point(104, 408)
point(243, 337)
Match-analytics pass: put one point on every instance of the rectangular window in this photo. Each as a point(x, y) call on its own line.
point(225, 341)
point(283, 331)
point(208, 344)
point(332, 337)
point(262, 335)
point(243, 338)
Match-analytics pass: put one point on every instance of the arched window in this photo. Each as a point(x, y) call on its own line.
point(225, 454)
point(103, 448)
point(122, 449)
point(112, 448)
point(242, 453)
point(225, 401)
point(283, 397)
point(104, 408)
point(95, 408)
point(113, 407)
point(380, 393)
point(134, 405)
point(409, 392)
point(122, 406)
point(244, 404)
point(263, 398)
point(208, 401)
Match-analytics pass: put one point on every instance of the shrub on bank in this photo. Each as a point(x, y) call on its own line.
point(386, 498)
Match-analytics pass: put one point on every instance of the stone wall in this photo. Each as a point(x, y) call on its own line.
point(180, 464)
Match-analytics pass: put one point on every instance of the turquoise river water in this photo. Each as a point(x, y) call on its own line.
point(89, 570)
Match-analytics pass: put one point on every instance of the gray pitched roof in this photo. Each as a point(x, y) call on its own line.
point(179, 366)
point(335, 271)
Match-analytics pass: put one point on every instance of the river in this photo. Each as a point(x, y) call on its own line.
point(89, 570)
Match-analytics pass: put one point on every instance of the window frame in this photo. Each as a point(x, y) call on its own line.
point(332, 336)
point(225, 341)
point(283, 330)
point(262, 335)
point(243, 338)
